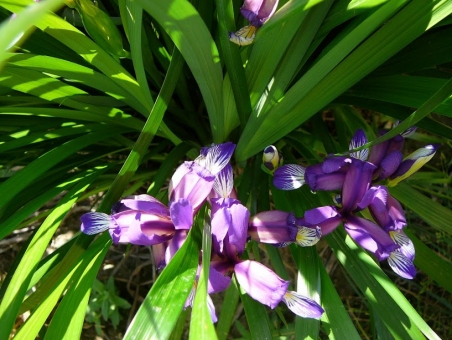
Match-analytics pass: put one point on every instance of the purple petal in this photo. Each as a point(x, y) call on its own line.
point(144, 203)
point(229, 217)
point(139, 228)
point(401, 265)
point(261, 283)
point(94, 223)
point(370, 236)
point(193, 182)
point(217, 281)
point(358, 140)
point(273, 227)
point(181, 212)
point(174, 245)
point(258, 11)
point(356, 183)
point(334, 164)
point(317, 179)
point(302, 305)
point(327, 218)
point(390, 164)
point(289, 177)
point(377, 197)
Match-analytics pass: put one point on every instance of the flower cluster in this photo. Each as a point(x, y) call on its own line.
point(257, 12)
point(357, 177)
point(143, 220)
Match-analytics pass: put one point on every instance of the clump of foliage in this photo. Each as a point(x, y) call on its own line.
point(106, 99)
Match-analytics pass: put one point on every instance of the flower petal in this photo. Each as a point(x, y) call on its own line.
point(370, 236)
point(406, 245)
point(258, 11)
point(327, 218)
point(181, 212)
point(224, 182)
point(402, 265)
point(218, 156)
point(302, 305)
point(144, 203)
point(94, 223)
point(261, 283)
point(318, 179)
point(413, 163)
point(308, 236)
point(193, 182)
point(289, 177)
point(229, 217)
point(244, 36)
point(358, 140)
point(356, 183)
point(175, 243)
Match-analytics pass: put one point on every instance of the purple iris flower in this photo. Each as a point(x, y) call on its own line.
point(263, 285)
point(280, 229)
point(367, 234)
point(143, 220)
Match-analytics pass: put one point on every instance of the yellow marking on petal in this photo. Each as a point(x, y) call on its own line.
point(244, 36)
point(308, 236)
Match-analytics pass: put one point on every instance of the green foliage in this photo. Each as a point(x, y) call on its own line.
point(108, 101)
point(104, 303)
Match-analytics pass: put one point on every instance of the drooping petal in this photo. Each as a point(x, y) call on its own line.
point(181, 212)
point(258, 11)
point(175, 243)
point(224, 182)
point(94, 223)
point(370, 236)
point(402, 265)
point(271, 158)
point(229, 218)
point(261, 283)
point(244, 36)
point(406, 245)
point(413, 163)
point(193, 182)
point(327, 218)
point(308, 236)
point(302, 305)
point(358, 140)
point(217, 281)
point(356, 183)
point(289, 177)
